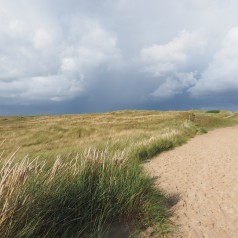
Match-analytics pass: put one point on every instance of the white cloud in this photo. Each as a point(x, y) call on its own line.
point(17, 28)
point(41, 60)
point(68, 64)
point(43, 88)
point(174, 85)
point(161, 59)
point(222, 73)
point(170, 63)
point(94, 46)
point(42, 38)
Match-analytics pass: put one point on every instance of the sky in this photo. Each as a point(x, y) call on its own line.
point(75, 56)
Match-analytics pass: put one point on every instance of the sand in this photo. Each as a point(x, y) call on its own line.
point(202, 178)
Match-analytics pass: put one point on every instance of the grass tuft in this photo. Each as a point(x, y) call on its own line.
point(153, 149)
point(80, 198)
point(203, 130)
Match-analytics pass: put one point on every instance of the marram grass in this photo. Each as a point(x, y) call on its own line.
point(64, 188)
point(80, 198)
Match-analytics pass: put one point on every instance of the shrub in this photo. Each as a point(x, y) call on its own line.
point(213, 111)
point(203, 130)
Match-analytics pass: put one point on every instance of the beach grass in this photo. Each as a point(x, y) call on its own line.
point(76, 175)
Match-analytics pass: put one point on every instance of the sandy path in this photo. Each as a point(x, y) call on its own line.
point(204, 172)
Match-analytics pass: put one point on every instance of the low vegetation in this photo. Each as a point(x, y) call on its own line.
point(77, 198)
point(213, 111)
point(75, 175)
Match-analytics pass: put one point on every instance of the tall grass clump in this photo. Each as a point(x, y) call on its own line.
point(146, 152)
point(77, 198)
point(154, 145)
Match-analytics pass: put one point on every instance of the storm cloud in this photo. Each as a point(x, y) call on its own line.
point(79, 56)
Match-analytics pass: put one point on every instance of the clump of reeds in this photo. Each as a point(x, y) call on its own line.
point(80, 197)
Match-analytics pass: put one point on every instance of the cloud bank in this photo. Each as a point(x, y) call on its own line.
point(41, 61)
point(221, 76)
point(75, 56)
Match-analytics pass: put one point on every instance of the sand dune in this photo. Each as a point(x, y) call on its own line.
point(203, 175)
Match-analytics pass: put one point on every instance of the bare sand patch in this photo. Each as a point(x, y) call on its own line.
point(203, 174)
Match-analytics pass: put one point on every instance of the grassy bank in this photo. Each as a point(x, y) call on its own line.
point(52, 135)
point(83, 172)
